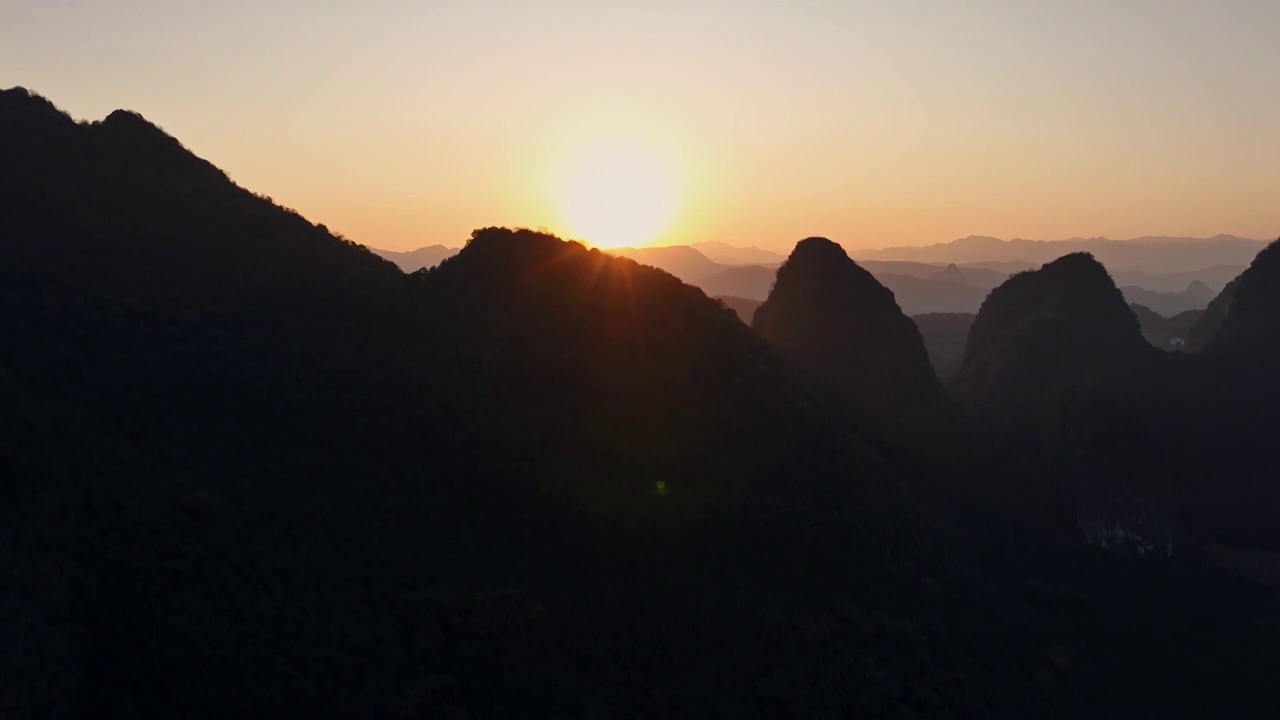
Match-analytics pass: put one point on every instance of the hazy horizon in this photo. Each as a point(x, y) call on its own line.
point(404, 126)
point(785, 246)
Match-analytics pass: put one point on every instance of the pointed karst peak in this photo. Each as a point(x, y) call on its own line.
point(1062, 325)
point(818, 262)
point(831, 317)
point(1252, 317)
point(950, 274)
point(819, 286)
point(1200, 291)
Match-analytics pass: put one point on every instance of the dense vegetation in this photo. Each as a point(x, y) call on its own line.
point(251, 469)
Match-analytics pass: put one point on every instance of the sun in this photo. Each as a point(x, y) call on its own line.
point(617, 190)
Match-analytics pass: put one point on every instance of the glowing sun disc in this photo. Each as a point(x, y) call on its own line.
point(617, 191)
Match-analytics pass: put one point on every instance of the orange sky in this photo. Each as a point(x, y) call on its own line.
point(404, 124)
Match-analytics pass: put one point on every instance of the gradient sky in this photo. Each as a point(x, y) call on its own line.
point(405, 123)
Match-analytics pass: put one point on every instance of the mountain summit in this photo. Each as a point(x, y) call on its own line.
point(829, 316)
point(1045, 331)
point(834, 318)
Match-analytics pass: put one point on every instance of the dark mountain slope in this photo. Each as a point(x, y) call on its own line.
point(1046, 331)
point(1042, 363)
point(1228, 428)
point(1252, 321)
point(630, 369)
point(832, 318)
point(252, 468)
point(1210, 322)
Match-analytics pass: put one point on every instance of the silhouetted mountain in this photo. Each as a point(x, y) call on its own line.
point(833, 318)
point(414, 260)
point(1046, 331)
point(1147, 254)
point(945, 335)
point(1166, 333)
point(1044, 357)
point(1215, 413)
point(830, 317)
point(743, 307)
point(1207, 325)
point(227, 433)
point(632, 372)
point(1228, 445)
point(726, 254)
point(951, 274)
point(682, 261)
point(1252, 321)
point(248, 468)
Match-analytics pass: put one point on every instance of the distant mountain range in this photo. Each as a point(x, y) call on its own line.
point(1197, 296)
point(726, 254)
point(1147, 254)
point(413, 260)
point(931, 286)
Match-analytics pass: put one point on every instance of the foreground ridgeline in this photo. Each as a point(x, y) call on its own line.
point(249, 468)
